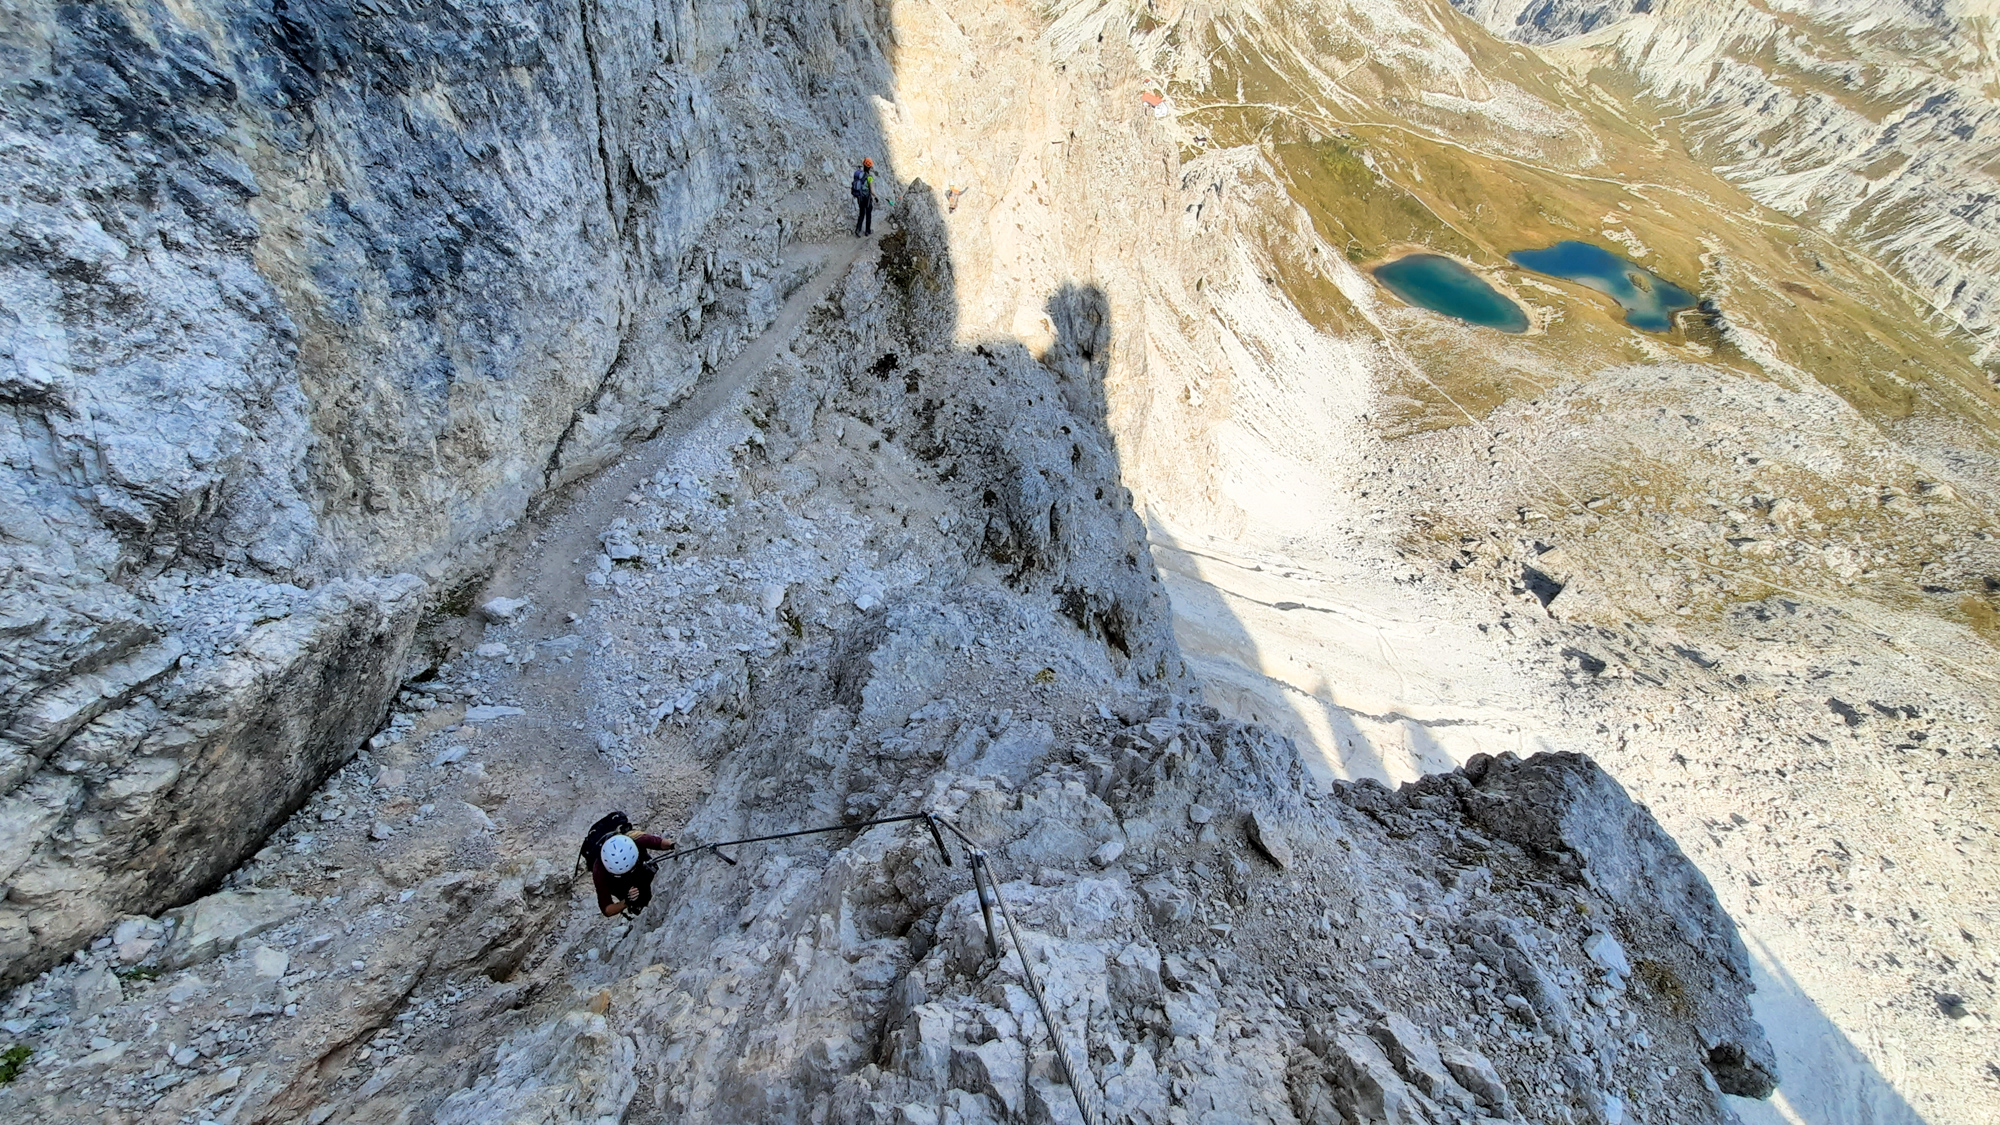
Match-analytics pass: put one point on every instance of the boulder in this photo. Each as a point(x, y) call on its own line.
point(1269, 839)
point(135, 950)
point(1366, 1086)
point(95, 991)
point(1565, 809)
point(1133, 977)
point(1604, 949)
point(1416, 1058)
point(500, 610)
point(1475, 1073)
point(269, 962)
point(210, 927)
point(1011, 756)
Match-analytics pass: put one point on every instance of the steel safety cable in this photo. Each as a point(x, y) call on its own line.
point(982, 869)
point(987, 888)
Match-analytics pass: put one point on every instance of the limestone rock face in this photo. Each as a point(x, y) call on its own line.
point(1547, 21)
point(151, 802)
point(347, 249)
point(296, 299)
point(1564, 807)
point(874, 960)
point(451, 258)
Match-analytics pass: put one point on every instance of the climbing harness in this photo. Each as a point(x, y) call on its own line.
point(987, 888)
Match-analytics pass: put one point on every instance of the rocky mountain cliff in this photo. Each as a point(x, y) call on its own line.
point(890, 573)
point(438, 423)
point(1686, 553)
point(1550, 21)
point(303, 306)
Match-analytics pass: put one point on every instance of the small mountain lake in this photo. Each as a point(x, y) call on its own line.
point(1650, 301)
point(1437, 283)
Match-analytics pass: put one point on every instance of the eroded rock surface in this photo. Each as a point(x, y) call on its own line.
point(156, 795)
point(900, 570)
point(299, 302)
point(1195, 975)
point(895, 573)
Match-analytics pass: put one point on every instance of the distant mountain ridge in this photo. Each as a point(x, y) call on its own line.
point(1547, 21)
point(1877, 122)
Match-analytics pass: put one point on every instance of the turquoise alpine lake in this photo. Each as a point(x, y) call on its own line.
point(1650, 301)
point(1438, 283)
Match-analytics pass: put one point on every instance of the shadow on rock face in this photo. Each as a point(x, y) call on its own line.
point(1081, 355)
point(1187, 895)
point(963, 614)
point(1563, 807)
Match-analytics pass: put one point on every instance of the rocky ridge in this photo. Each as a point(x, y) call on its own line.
point(896, 573)
point(1549, 21)
point(1052, 108)
point(1707, 553)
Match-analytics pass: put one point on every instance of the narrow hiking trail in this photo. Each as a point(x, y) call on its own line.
point(556, 550)
point(569, 766)
point(562, 773)
point(553, 549)
point(425, 895)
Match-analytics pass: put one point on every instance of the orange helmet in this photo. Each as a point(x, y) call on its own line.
point(867, 162)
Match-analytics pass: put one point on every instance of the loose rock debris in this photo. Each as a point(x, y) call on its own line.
point(1441, 949)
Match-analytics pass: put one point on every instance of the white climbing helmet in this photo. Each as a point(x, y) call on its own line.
point(619, 854)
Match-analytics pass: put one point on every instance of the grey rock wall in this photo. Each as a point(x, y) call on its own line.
point(189, 762)
point(1565, 810)
point(907, 574)
point(297, 297)
point(1401, 965)
point(335, 283)
point(1547, 21)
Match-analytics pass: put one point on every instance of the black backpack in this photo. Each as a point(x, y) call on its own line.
point(607, 826)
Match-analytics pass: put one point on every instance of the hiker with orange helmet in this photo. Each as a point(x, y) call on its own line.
point(863, 190)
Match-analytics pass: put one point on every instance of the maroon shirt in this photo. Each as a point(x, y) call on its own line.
point(619, 888)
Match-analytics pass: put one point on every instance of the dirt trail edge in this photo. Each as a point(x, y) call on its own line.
point(546, 563)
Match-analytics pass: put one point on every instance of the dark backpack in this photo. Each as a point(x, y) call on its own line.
point(607, 826)
point(860, 187)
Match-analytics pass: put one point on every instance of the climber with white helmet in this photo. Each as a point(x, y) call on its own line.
point(619, 866)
